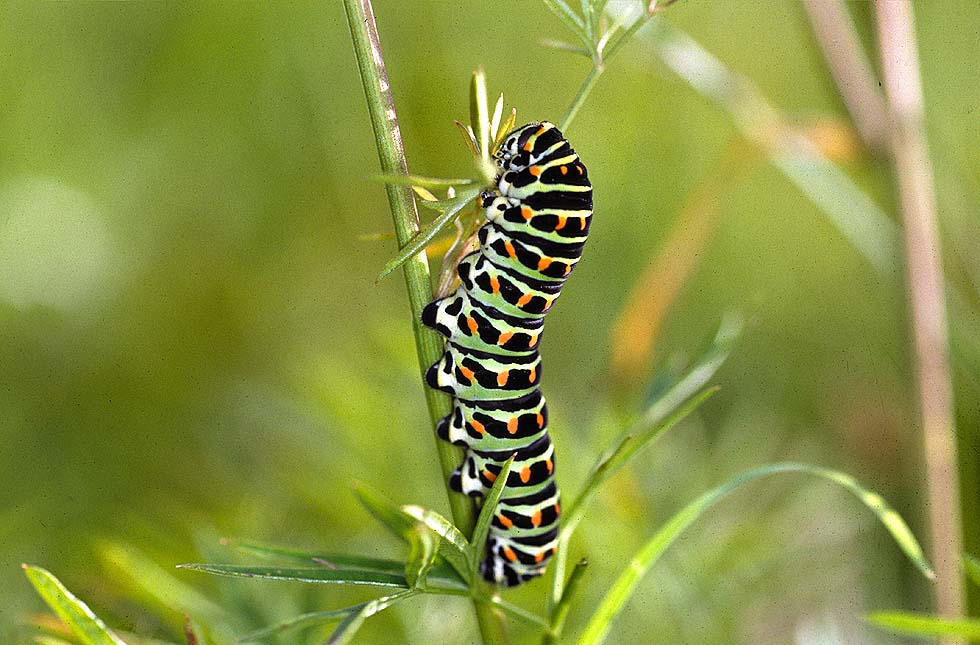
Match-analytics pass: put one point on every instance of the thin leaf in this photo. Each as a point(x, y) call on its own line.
point(348, 627)
point(972, 566)
point(383, 510)
point(443, 527)
point(424, 182)
point(560, 613)
point(483, 522)
point(617, 596)
point(506, 129)
point(664, 413)
point(520, 614)
point(425, 194)
point(480, 112)
point(82, 621)
point(562, 46)
point(925, 626)
point(303, 620)
point(440, 573)
point(421, 240)
point(468, 138)
point(423, 549)
point(627, 447)
point(588, 14)
point(498, 112)
point(570, 18)
point(320, 575)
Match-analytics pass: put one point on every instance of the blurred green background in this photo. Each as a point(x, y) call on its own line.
point(192, 345)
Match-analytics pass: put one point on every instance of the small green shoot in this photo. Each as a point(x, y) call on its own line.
point(82, 621)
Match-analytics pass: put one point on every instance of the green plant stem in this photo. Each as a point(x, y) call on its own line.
point(925, 285)
point(583, 93)
point(429, 346)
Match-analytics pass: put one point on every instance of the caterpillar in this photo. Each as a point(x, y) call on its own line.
point(537, 220)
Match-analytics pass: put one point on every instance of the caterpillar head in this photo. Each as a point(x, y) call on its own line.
point(511, 154)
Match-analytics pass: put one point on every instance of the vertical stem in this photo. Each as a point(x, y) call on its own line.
point(925, 285)
point(849, 66)
point(429, 345)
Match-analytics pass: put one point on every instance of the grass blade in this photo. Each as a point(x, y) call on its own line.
point(348, 627)
point(925, 626)
point(421, 240)
point(440, 573)
point(321, 575)
point(424, 182)
point(82, 621)
point(622, 590)
point(482, 529)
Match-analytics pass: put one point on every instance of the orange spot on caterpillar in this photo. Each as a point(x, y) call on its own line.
point(489, 476)
point(564, 170)
point(502, 378)
point(466, 372)
point(471, 323)
point(528, 146)
point(535, 171)
point(578, 167)
point(532, 340)
point(505, 521)
point(561, 222)
point(504, 337)
point(509, 554)
point(544, 263)
point(557, 508)
point(494, 285)
point(525, 474)
point(532, 375)
point(540, 420)
point(581, 225)
point(511, 253)
point(568, 269)
point(527, 213)
point(536, 519)
point(539, 557)
point(544, 128)
point(479, 427)
point(512, 425)
point(523, 300)
point(550, 465)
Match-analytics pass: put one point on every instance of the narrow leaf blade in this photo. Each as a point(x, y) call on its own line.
point(321, 575)
point(617, 596)
point(483, 522)
point(424, 182)
point(348, 627)
point(972, 566)
point(82, 621)
point(298, 622)
point(424, 547)
point(925, 626)
point(570, 18)
point(421, 240)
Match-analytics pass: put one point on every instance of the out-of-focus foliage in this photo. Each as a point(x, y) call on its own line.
point(192, 344)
